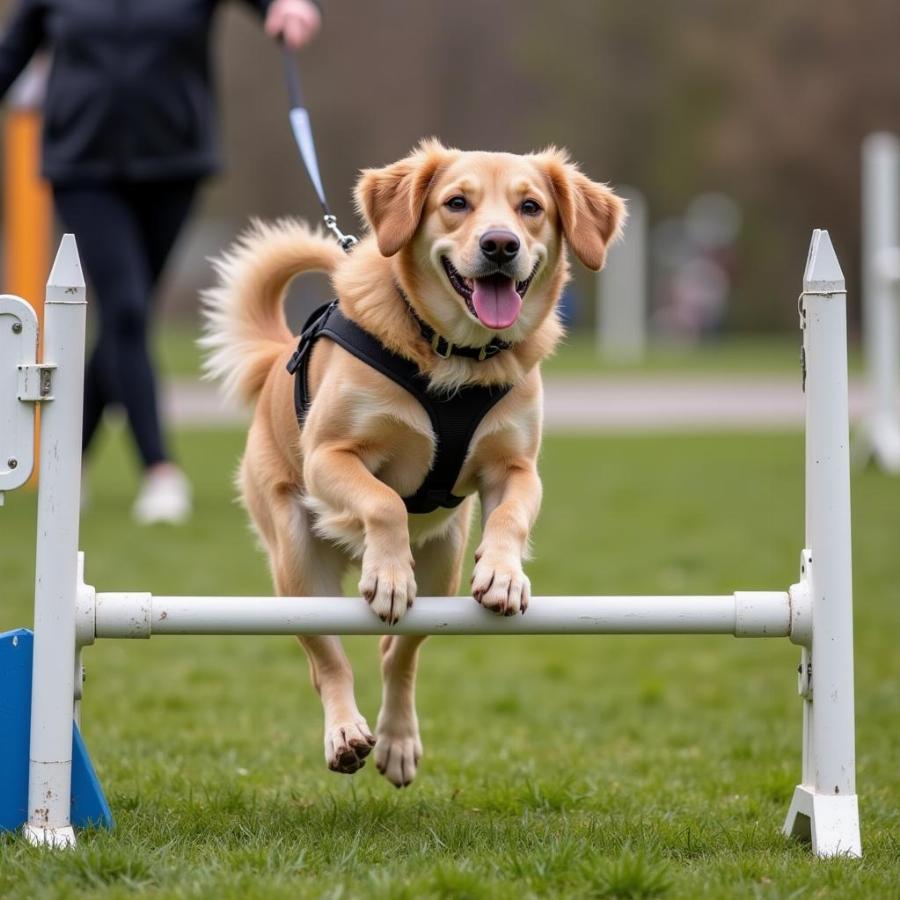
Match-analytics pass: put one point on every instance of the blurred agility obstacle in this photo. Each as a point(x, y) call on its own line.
point(622, 300)
point(880, 437)
point(27, 209)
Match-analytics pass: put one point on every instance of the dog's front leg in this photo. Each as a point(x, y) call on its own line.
point(338, 476)
point(510, 500)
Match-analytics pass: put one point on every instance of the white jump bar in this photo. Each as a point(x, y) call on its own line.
point(744, 614)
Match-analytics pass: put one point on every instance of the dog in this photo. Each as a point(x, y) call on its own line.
point(469, 249)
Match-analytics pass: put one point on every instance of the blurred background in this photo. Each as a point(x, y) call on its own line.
point(557, 766)
point(740, 124)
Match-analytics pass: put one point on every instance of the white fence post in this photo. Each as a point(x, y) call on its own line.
point(881, 296)
point(56, 570)
point(824, 806)
point(622, 288)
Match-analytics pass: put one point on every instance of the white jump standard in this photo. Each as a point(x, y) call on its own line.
point(880, 437)
point(816, 613)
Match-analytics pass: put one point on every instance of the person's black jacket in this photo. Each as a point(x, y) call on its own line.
point(129, 95)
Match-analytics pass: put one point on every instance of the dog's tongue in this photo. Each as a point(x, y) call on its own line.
point(496, 301)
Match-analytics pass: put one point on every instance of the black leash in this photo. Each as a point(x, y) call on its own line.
point(302, 129)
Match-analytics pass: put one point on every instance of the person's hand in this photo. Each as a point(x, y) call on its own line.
point(297, 22)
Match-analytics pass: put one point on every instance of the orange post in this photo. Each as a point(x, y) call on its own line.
point(27, 208)
point(27, 214)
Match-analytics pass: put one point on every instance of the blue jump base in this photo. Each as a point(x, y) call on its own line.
point(89, 806)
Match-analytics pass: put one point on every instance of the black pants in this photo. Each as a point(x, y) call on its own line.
point(124, 233)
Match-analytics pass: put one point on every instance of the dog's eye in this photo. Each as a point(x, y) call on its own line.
point(457, 204)
point(530, 208)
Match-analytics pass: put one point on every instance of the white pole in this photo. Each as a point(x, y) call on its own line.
point(50, 771)
point(622, 288)
point(744, 614)
point(824, 807)
point(881, 318)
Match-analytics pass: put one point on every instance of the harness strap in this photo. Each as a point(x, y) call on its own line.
point(454, 417)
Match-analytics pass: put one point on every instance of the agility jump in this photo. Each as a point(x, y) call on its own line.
point(815, 613)
point(880, 436)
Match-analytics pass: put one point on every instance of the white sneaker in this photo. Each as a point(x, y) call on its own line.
point(165, 496)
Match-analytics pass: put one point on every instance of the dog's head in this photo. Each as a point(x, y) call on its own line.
point(480, 235)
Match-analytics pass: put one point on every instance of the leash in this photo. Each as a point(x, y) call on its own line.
point(302, 129)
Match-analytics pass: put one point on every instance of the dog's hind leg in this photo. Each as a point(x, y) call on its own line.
point(398, 747)
point(348, 740)
point(305, 566)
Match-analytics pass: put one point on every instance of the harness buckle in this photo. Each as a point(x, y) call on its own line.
point(314, 324)
point(296, 359)
point(436, 340)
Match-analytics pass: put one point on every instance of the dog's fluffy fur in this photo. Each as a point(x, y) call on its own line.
point(330, 494)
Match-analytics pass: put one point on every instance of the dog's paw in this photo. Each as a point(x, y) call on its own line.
point(389, 586)
point(347, 744)
point(500, 585)
point(397, 753)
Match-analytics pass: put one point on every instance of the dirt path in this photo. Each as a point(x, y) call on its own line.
point(651, 403)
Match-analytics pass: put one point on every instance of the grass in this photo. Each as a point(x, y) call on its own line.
point(734, 355)
point(175, 349)
point(779, 354)
point(590, 767)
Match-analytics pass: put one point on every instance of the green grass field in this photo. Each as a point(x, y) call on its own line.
point(176, 350)
point(604, 767)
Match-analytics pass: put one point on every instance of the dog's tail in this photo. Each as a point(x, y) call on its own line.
point(244, 325)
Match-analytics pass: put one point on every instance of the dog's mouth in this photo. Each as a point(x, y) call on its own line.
point(495, 299)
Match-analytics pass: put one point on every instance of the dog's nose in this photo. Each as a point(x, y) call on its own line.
point(499, 246)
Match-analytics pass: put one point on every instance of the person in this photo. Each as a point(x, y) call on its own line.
point(128, 137)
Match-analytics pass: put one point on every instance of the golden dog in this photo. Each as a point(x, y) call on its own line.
point(474, 243)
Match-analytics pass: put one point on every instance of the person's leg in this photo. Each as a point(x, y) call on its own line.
point(110, 243)
point(74, 207)
point(162, 208)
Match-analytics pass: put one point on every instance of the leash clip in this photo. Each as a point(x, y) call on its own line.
point(347, 241)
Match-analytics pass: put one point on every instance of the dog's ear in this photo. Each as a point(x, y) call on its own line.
point(591, 215)
point(392, 199)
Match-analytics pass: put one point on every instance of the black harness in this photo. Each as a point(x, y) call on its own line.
point(454, 417)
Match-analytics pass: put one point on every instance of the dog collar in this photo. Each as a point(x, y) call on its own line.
point(444, 348)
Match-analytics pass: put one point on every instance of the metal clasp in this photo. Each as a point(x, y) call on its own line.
point(804, 676)
point(347, 241)
point(801, 309)
point(35, 382)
